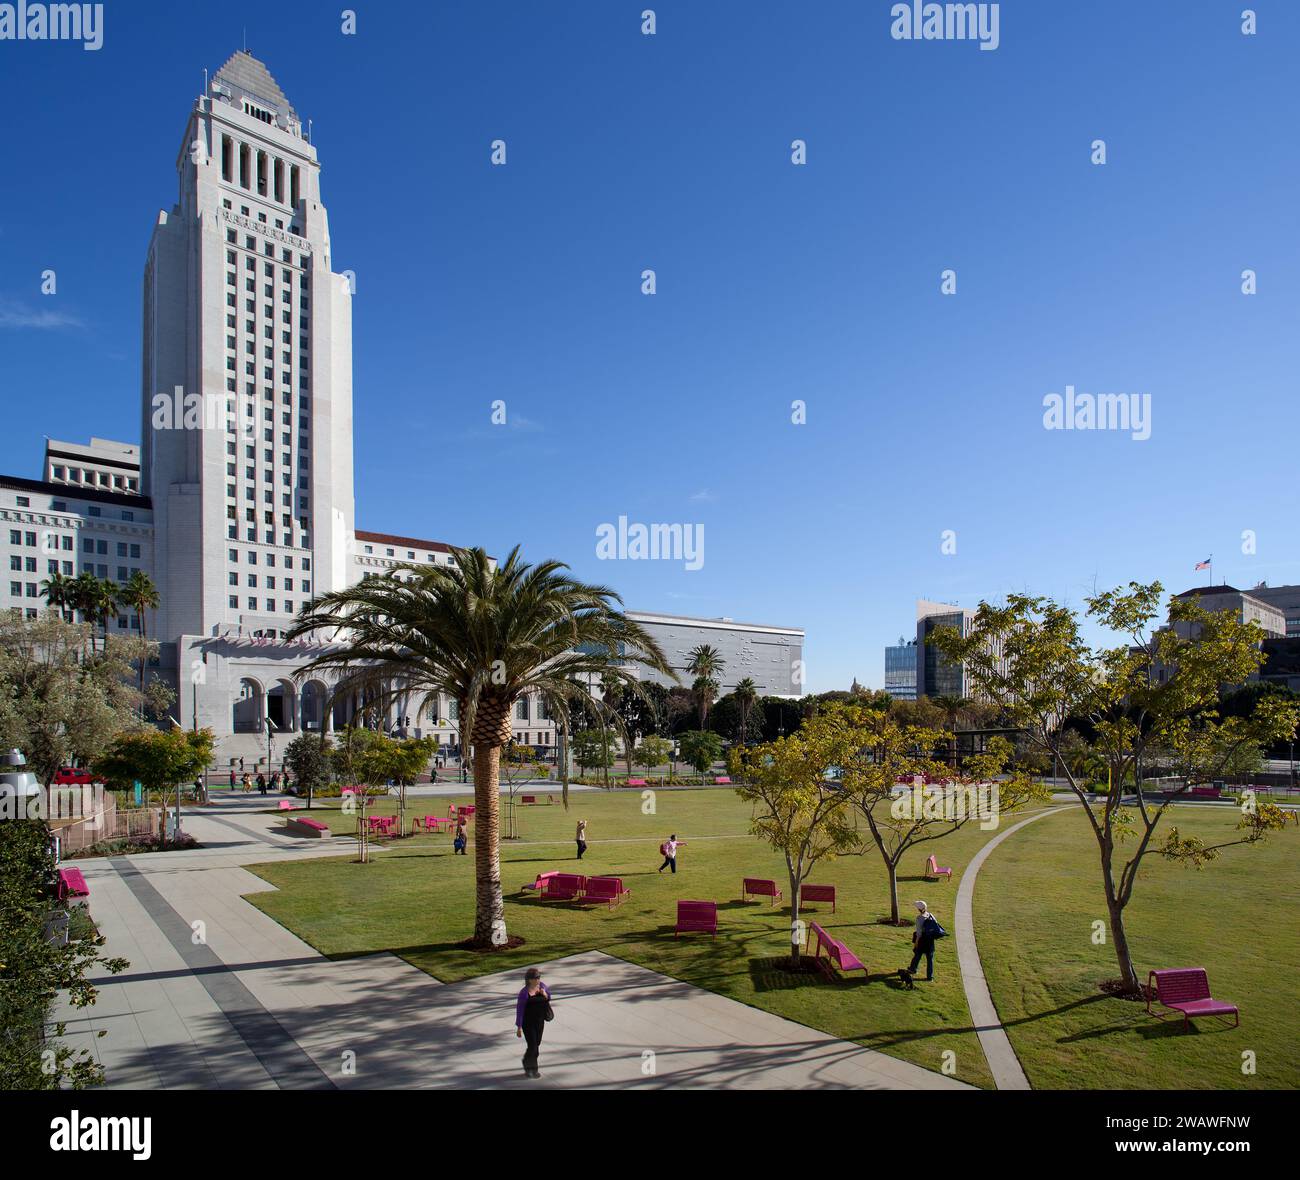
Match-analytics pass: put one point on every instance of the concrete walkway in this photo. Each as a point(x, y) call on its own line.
point(1008, 1074)
point(220, 996)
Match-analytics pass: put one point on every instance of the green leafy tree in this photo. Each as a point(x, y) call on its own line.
point(58, 706)
point(483, 635)
point(701, 748)
point(652, 751)
point(880, 755)
point(797, 810)
point(592, 749)
point(308, 759)
point(158, 759)
point(1149, 691)
point(34, 969)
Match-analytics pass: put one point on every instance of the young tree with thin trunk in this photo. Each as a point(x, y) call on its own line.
point(797, 809)
point(1147, 692)
point(906, 796)
point(484, 635)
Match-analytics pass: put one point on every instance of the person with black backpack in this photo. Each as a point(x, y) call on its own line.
point(927, 932)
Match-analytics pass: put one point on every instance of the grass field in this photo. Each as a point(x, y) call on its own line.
point(1037, 897)
point(418, 901)
point(1036, 900)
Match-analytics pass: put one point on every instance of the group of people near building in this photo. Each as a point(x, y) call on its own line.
point(279, 781)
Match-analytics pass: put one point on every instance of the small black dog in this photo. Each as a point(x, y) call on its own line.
point(907, 978)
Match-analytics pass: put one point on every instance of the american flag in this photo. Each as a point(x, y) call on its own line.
point(1204, 565)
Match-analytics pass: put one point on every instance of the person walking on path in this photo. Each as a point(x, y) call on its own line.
point(261, 783)
point(232, 778)
point(248, 783)
point(532, 1011)
point(669, 850)
point(582, 837)
point(458, 844)
point(923, 939)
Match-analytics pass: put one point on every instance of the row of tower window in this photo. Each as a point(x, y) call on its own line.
point(257, 171)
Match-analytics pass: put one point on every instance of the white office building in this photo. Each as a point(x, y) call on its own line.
point(239, 503)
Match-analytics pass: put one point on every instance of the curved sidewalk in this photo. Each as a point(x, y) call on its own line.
point(1003, 1062)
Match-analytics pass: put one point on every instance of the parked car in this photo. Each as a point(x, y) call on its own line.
point(73, 776)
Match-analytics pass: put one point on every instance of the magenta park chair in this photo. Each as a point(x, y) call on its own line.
point(1187, 990)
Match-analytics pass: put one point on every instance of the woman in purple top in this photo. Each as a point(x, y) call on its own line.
point(531, 1008)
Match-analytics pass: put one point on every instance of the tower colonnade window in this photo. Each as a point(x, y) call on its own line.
point(257, 170)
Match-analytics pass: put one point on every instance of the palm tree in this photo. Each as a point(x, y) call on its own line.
point(57, 590)
point(705, 663)
point(746, 693)
point(484, 637)
point(96, 599)
point(103, 605)
point(140, 594)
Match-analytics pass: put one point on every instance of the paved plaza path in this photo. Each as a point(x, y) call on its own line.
point(218, 995)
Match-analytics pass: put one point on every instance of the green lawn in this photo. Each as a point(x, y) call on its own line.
point(1037, 897)
point(418, 901)
point(1036, 900)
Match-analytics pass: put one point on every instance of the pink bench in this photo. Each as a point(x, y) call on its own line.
point(759, 888)
point(71, 883)
point(1187, 990)
point(1205, 793)
point(697, 915)
point(307, 827)
point(286, 805)
point(635, 782)
point(533, 799)
point(934, 869)
point(563, 886)
point(721, 781)
point(607, 889)
point(818, 893)
point(540, 884)
point(837, 954)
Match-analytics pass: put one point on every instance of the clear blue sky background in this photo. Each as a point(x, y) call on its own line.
point(775, 283)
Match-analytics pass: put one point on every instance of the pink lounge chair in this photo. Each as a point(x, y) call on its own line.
point(934, 869)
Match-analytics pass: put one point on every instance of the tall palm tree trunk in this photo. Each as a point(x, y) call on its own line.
point(490, 734)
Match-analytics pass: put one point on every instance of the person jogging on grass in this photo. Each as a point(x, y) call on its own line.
point(669, 850)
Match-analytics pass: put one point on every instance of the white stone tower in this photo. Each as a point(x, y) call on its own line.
point(252, 479)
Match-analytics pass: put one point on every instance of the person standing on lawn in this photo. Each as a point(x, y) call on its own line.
point(532, 1011)
point(462, 838)
point(669, 850)
point(582, 837)
point(923, 939)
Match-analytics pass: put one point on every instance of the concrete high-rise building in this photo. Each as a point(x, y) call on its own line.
point(239, 503)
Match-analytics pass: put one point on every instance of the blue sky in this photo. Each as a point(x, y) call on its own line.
point(775, 283)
